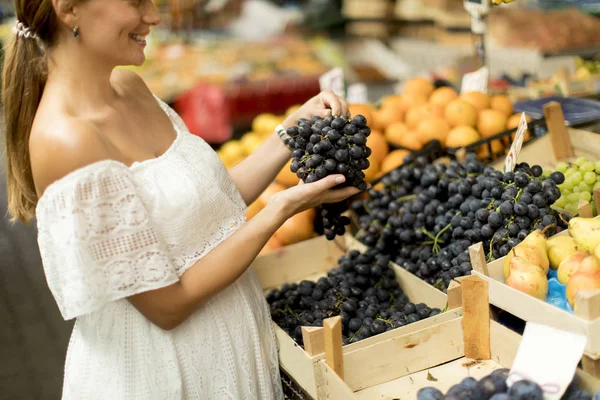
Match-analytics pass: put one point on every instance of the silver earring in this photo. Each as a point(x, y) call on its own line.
point(76, 32)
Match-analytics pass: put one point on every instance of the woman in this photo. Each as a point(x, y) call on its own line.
point(140, 227)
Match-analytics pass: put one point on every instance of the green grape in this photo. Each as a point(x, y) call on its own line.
point(569, 184)
point(572, 208)
point(570, 171)
point(561, 202)
point(585, 187)
point(563, 166)
point(573, 198)
point(580, 161)
point(588, 166)
point(577, 177)
point(598, 167)
point(589, 177)
point(586, 196)
point(576, 189)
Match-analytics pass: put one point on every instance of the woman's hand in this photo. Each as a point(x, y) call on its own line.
point(324, 104)
point(309, 195)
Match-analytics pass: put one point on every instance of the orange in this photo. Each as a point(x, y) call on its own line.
point(501, 103)
point(513, 121)
point(410, 100)
point(399, 135)
point(393, 101)
point(394, 160)
point(420, 113)
point(269, 192)
point(378, 145)
point(461, 136)
point(297, 228)
point(459, 112)
point(418, 85)
point(491, 122)
point(272, 244)
point(254, 209)
point(497, 148)
point(433, 129)
point(286, 177)
point(386, 116)
point(362, 109)
point(443, 96)
point(480, 100)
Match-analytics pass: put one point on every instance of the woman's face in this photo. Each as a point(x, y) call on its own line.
point(115, 30)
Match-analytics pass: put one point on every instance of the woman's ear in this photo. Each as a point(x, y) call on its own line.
point(65, 12)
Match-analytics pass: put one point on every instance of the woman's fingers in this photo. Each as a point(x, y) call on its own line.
point(338, 195)
point(331, 101)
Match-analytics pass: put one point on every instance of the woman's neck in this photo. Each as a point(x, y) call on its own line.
point(84, 80)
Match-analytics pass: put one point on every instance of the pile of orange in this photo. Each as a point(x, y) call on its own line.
point(422, 113)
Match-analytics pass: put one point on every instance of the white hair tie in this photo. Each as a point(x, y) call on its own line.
point(22, 30)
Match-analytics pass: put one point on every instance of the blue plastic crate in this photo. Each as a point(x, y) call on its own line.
point(576, 111)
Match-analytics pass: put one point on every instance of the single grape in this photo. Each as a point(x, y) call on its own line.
point(581, 161)
point(562, 166)
point(587, 167)
point(589, 177)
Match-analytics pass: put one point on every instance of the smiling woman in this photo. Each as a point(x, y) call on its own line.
point(141, 228)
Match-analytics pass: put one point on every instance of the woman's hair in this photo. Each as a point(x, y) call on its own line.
point(23, 81)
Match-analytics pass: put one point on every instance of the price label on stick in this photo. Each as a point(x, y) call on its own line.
point(548, 357)
point(357, 94)
point(476, 81)
point(515, 148)
point(334, 81)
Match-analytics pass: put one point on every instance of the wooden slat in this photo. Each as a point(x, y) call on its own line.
point(454, 295)
point(478, 261)
point(555, 120)
point(591, 366)
point(585, 209)
point(314, 340)
point(403, 355)
point(597, 199)
point(587, 304)
point(476, 318)
point(333, 344)
point(329, 385)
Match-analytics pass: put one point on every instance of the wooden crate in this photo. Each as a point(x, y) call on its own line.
point(585, 320)
point(381, 370)
point(312, 259)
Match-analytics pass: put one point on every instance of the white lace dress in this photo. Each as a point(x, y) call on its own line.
point(108, 231)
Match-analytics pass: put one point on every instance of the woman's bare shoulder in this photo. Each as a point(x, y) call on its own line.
point(61, 145)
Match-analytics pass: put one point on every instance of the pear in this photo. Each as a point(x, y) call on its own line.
point(587, 277)
point(533, 248)
point(559, 248)
point(586, 232)
point(527, 278)
point(569, 265)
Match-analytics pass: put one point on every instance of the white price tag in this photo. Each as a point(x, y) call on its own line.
point(515, 148)
point(476, 81)
point(357, 94)
point(334, 81)
point(548, 357)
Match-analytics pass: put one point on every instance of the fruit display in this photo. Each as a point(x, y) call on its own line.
point(333, 145)
point(582, 177)
point(494, 387)
point(425, 216)
point(555, 269)
point(422, 113)
point(362, 289)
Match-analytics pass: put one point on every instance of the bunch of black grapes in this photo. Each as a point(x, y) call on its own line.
point(493, 387)
point(325, 146)
point(362, 290)
point(427, 215)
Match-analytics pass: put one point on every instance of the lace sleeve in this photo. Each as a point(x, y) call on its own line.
point(96, 240)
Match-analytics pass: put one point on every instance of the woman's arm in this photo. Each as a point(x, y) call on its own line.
point(259, 169)
point(168, 307)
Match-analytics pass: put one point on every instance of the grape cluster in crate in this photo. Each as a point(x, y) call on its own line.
point(362, 290)
point(427, 215)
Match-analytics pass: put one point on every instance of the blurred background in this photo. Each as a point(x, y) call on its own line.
point(234, 68)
